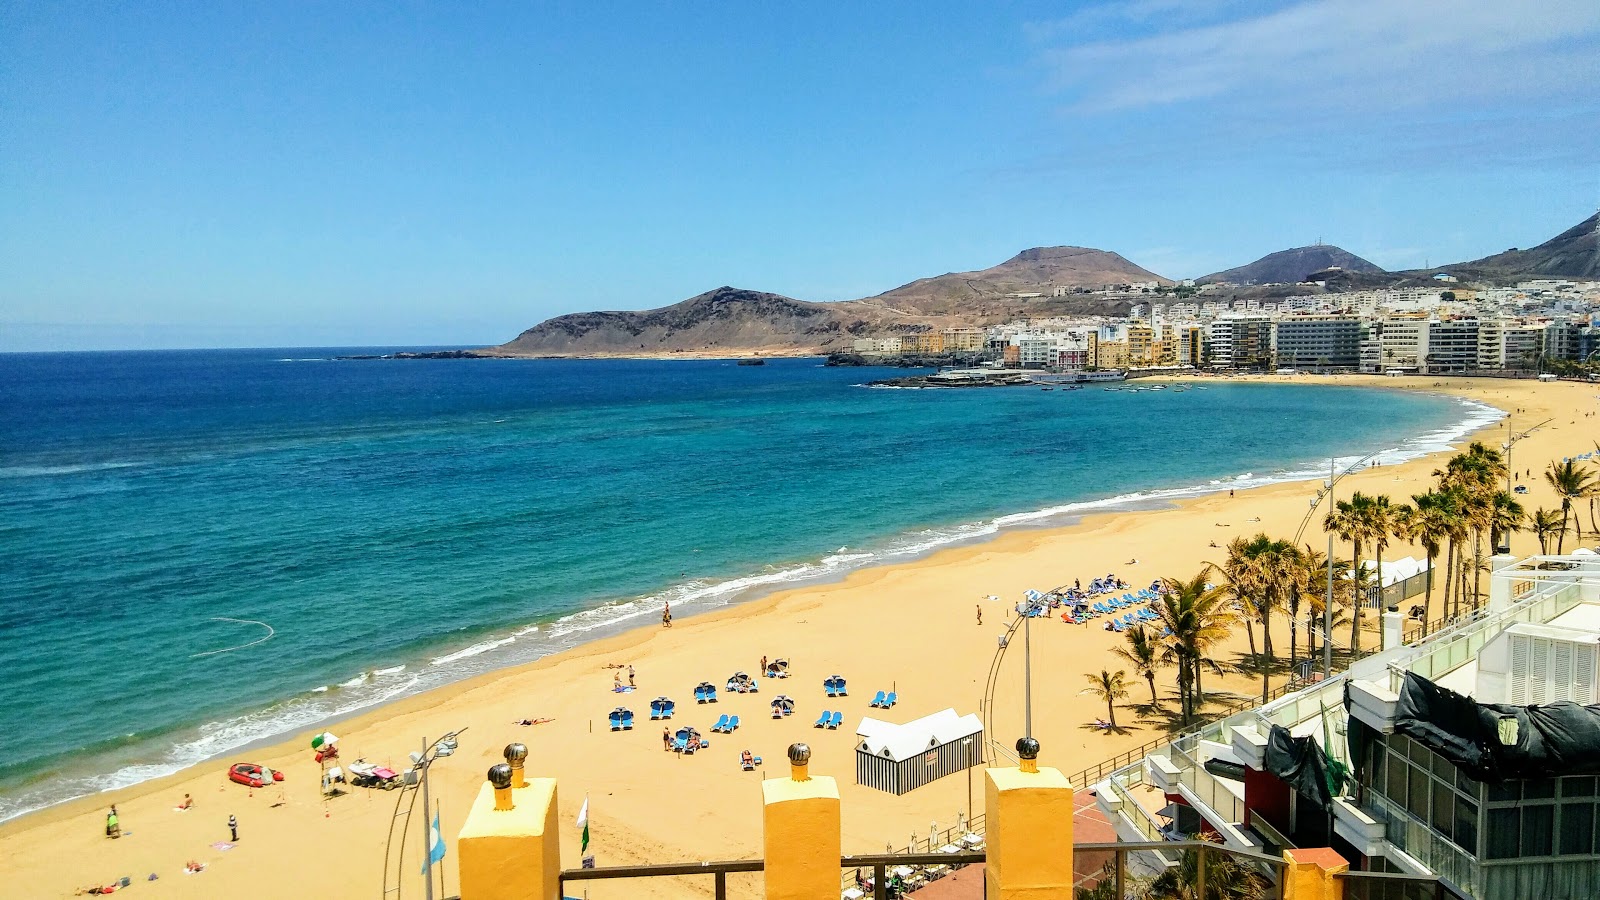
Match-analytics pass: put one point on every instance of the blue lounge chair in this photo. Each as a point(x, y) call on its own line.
point(828, 686)
point(838, 686)
point(700, 693)
point(627, 719)
point(877, 701)
point(668, 708)
point(722, 724)
point(681, 742)
point(616, 720)
point(711, 692)
point(823, 719)
point(733, 724)
point(655, 708)
point(834, 722)
point(891, 700)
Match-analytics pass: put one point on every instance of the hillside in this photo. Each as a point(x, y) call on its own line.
point(1291, 266)
point(732, 321)
point(987, 292)
point(726, 319)
point(1571, 254)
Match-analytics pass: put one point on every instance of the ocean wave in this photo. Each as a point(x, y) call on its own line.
point(377, 686)
point(47, 471)
point(474, 650)
point(216, 739)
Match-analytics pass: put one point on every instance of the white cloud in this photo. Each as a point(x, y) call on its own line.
point(1338, 56)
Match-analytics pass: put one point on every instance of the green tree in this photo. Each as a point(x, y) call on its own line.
point(1141, 653)
point(1110, 687)
point(1197, 619)
point(1348, 520)
point(1384, 520)
point(1266, 569)
point(1548, 525)
point(1227, 878)
point(1571, 483)
point(1428, 524)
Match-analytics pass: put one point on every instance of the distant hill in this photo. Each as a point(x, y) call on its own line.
point(727, 318)
point(1570, 254)
point(733, 321)
point(1038, 270)
point(1291, 266)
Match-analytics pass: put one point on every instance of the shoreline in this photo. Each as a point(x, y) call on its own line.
point(573, 632)
point(613, 618)
point(880, 626)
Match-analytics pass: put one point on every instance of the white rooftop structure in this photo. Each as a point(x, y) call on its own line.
point(901, 742)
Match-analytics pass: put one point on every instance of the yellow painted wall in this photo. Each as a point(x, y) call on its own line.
point(512, 854)
point(800, 838)
point(1028, 832)
point(1311, 874)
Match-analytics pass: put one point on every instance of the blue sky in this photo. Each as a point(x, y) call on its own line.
point(211, 174)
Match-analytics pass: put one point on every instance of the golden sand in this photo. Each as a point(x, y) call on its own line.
point(909, 627)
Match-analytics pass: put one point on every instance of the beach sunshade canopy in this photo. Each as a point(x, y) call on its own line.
point(323, 740)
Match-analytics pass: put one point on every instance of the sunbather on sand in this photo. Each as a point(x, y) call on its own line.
point(532, 721)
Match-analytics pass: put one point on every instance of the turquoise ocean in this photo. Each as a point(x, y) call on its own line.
point(398, 525)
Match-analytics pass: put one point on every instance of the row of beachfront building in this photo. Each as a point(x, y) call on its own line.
point(1424, 342)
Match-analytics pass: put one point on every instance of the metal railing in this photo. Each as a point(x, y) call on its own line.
point(966, 835)
point(1391, 886)
point(895, 873)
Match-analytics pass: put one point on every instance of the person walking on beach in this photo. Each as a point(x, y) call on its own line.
point(980, 613)
point(666, 739)
point(233, 828)
point(113, 828)
point(666, 616)
point(763, 664)
point(630, 676)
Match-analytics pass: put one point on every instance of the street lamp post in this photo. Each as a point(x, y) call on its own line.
point(444, 746)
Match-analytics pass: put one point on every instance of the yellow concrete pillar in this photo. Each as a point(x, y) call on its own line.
point(800, 823)
point(510, 848)
point(1028, 830)
point(1311, 874)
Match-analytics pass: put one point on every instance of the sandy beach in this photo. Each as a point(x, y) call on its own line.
point(909, 627)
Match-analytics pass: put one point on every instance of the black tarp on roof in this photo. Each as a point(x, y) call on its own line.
point(1495, 742)
point(1300, 762)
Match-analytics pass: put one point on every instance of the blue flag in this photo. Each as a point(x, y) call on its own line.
point(435, 844)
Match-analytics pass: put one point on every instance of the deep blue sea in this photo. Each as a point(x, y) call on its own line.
point(401, 524)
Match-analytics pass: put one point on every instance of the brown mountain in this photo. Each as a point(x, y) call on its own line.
point(1573, 253)
point(729, 319)
point(991, 290)
point(1292, 266)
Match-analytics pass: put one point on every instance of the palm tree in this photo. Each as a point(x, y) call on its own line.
point(1141, 654)
point(1548, 524)
point(1110, 687)
point(1197, 619)
point(1227, 878)
point(1506, 515)
point(1429, 525)
point(1238, 572)
point(1311, 584)
point(1261, 570)
point(1348, 520)
point(1384, 520)
point(1571, 483)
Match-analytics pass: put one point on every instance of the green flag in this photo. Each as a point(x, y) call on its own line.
point(583, 823)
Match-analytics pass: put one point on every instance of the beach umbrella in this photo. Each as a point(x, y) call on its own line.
point(323, 740)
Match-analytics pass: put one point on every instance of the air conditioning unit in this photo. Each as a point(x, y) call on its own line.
point(1530, 664)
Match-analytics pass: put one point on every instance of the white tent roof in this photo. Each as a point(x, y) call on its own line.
point(900, 742)
point(1396, 570)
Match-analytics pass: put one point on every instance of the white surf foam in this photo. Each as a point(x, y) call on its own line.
point(377, 686)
